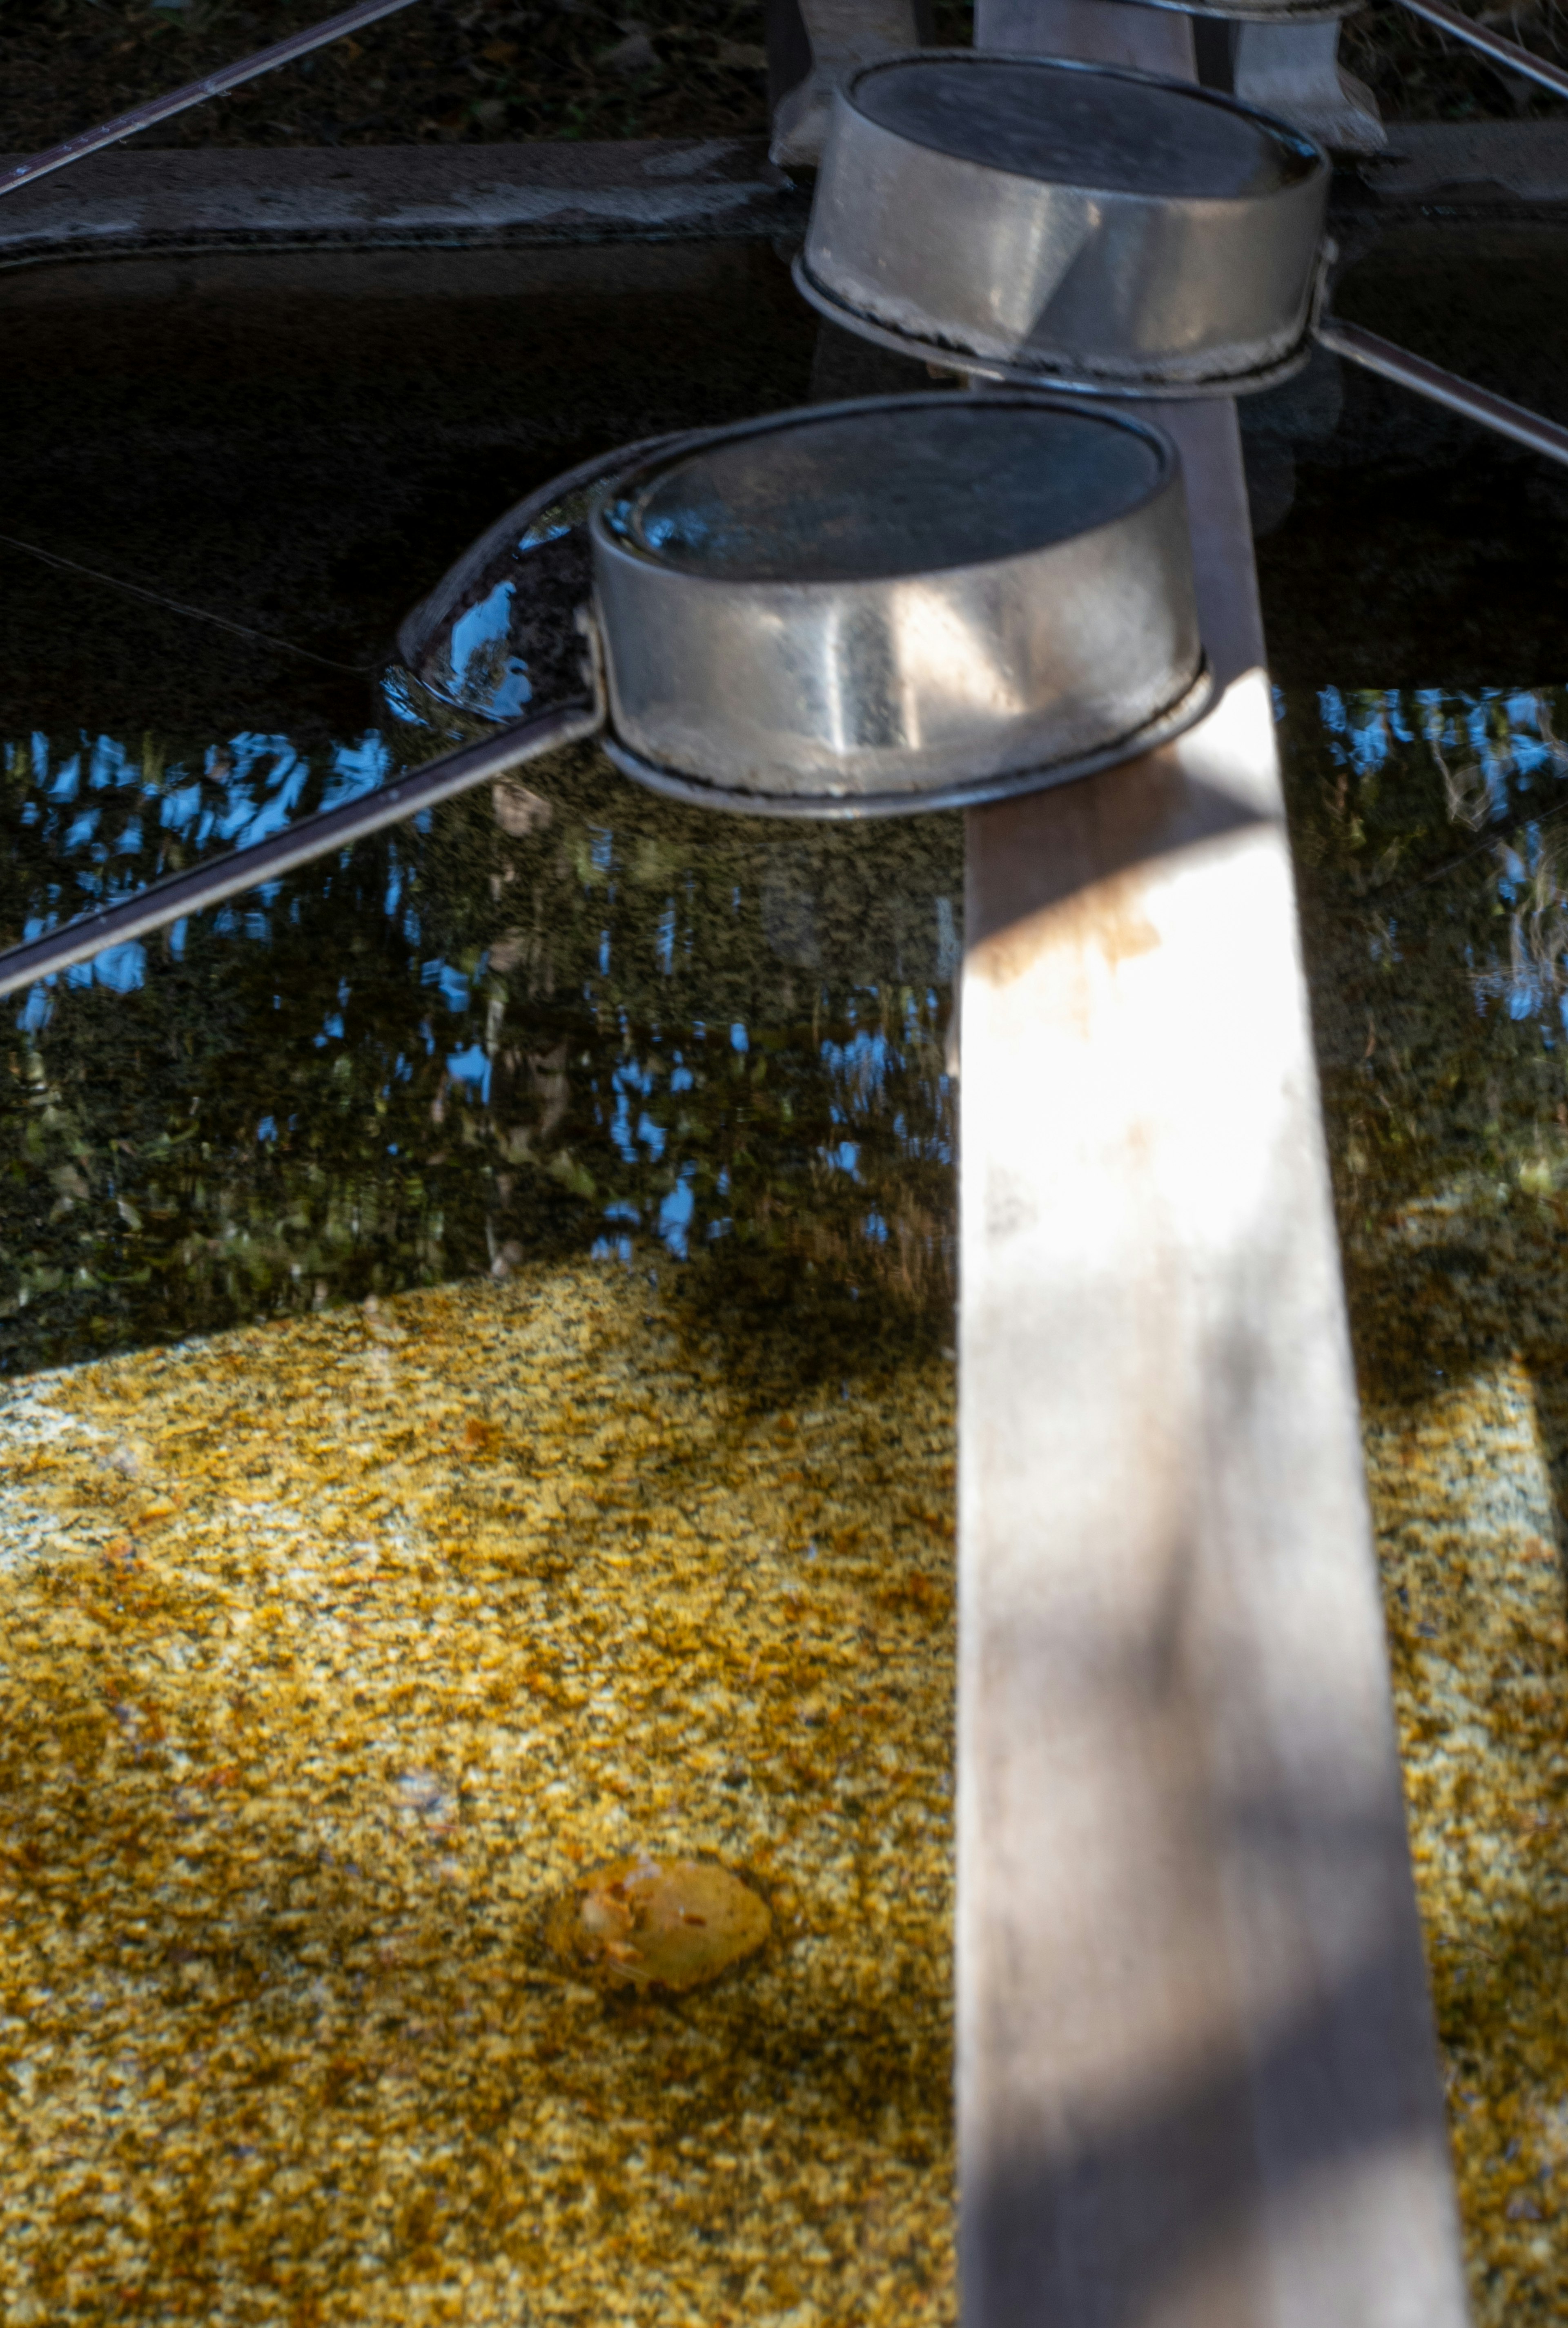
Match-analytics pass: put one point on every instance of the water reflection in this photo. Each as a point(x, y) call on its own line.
point(1430, 829)
point(1433, 859)
point(148, 818)
point(554, 1017)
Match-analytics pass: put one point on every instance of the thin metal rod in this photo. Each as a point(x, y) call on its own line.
point(178, 607)
point(197, 92)
point(1430, 380)
point(1492, 44)
point(162, 902)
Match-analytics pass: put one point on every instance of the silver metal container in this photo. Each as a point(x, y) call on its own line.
point(916, 601)
point(1030, 220)
point(921, 600)
point(853, 610)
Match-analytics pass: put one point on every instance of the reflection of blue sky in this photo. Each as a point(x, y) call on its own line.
point(631, 1086)
point(121, 967)
point(356, 768)
point(471, 1068)
point(862, 1063)
point(553, 522)
point(250, 788)
point(99, 801)
point(643, 1119)
point(675, 1213)
point(456, 991)
point(1505, 733)
point(108, 810)
point(482, 675)
point(1500, 762)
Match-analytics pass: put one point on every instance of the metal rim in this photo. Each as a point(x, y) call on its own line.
point(1274, 124)
point(421, 622)
point(1258, 11)
point(840, 808)
point(651, 455)
point(992, 371)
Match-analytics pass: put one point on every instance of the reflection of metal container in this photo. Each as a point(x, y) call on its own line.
point(1086, 226)
point(918, 600)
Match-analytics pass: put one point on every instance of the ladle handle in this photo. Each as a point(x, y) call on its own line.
point(1489, 43)
point(1430, 380)
point(196, 92)
point(162, 902)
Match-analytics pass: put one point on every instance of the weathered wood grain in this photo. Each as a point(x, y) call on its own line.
point(1196, 2081)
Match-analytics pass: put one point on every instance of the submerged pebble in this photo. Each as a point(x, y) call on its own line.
point(658, 1923)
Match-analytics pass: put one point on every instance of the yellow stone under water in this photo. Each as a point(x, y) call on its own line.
point(324, 1699)
point(658, 1923)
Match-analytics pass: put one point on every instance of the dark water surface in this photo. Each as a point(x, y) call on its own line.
point(546, 1021)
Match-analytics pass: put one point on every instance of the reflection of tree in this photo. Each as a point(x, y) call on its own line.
point(1434, 873)
point(599, 1019)
point(1431, 854)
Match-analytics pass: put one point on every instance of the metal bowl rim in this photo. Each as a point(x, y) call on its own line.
point(846, 807)
point(1065, 387)
point(1259, 11)
point(1279, 130)
point(656, 452)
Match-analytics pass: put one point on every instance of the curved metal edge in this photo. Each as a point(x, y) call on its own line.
point(654, 453)
point(421, 622)
point(994, 372)
point(839, 808)
point(1099, 68)
point(1259, 11)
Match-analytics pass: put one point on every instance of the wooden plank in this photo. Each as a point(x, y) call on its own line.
point(233, 199)
point(1196, 2073)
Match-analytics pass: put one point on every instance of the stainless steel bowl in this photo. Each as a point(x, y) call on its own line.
point(857, 610)
point(853, 610)
point(915, 601)
point(1026, 218)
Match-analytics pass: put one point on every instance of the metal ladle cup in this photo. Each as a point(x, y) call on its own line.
point(853, 610)
point(1090, 229)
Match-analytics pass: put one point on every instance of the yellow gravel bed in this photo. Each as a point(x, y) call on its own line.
point(332, 1651)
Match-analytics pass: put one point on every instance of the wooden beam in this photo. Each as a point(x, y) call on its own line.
point(1196, 2073)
